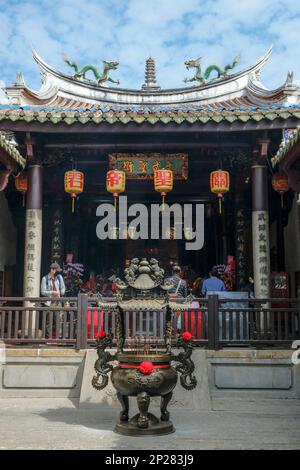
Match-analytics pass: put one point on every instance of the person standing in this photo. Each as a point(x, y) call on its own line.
point(53, 286)
point(179, 286)
point(250, 286)
point(179, 289)
point(213, 283)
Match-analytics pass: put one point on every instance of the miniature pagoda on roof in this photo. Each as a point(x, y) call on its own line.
point(150, 76)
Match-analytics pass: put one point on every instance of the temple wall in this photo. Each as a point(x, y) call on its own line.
point(292, 246)
point(228, 375)
point(8, 235)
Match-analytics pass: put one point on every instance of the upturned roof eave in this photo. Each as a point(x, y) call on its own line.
point(167, 91)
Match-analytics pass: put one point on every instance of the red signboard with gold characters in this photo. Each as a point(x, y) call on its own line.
point(143, 165)
point(219, 184)
point(74, 182)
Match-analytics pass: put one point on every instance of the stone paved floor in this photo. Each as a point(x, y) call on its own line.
point(59, 424)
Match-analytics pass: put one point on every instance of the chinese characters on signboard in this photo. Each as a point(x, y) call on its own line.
point(56, 248)
point(30, 252)
point(143, 165)
point(241, 252)
point(263, 253)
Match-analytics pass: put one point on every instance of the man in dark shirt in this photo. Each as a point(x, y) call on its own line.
point(213, 283)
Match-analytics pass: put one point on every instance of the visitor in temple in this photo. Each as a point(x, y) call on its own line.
point(179, 288)
point(213, 283)
point(91, 284)
point(53, 286)
point(53, 283)
point(250, 286)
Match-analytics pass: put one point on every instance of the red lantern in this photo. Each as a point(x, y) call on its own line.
point(74, 183)
point(280, 184)
point(115, 183)
point(21, 183)
point(219, 184)
point(163, 182)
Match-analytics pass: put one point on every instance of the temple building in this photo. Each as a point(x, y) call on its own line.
point(221, 120)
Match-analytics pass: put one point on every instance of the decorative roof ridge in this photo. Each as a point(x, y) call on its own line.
point(218, 81)
point(285, 146)
point(11, 150)
point(147, 109)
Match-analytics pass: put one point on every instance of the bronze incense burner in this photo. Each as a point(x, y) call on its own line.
point(144, 368)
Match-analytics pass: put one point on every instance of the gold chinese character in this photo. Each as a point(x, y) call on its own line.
point(156, 166)
point(128, 166)
point(143, 166)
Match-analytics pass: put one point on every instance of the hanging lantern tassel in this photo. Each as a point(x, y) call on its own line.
point(281, 198)
point(220, 197)
point(163, 200)
point(73, 202)
point(115, 200)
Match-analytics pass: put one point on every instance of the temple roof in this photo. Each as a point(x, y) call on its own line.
point(152, 115)
point(238, 90)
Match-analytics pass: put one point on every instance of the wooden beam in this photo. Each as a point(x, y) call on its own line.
point(148, 145)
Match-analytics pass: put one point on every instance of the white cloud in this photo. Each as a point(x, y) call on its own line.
point(129, 31)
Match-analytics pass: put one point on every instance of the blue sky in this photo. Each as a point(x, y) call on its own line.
point(171, 31)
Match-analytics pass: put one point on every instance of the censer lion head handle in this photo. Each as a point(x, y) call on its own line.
point(102, 365)
point(185, 366)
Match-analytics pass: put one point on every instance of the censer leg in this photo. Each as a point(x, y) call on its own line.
point(143, 401)
point(165, 400)
point(124, 400)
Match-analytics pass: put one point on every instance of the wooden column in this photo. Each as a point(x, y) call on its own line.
point(280, 241)
point(260, 231)
point(33, 233)
point(298, 207)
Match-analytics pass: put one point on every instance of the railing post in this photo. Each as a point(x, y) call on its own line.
point(84, 309)
point(213, 321)
point(79, 321)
